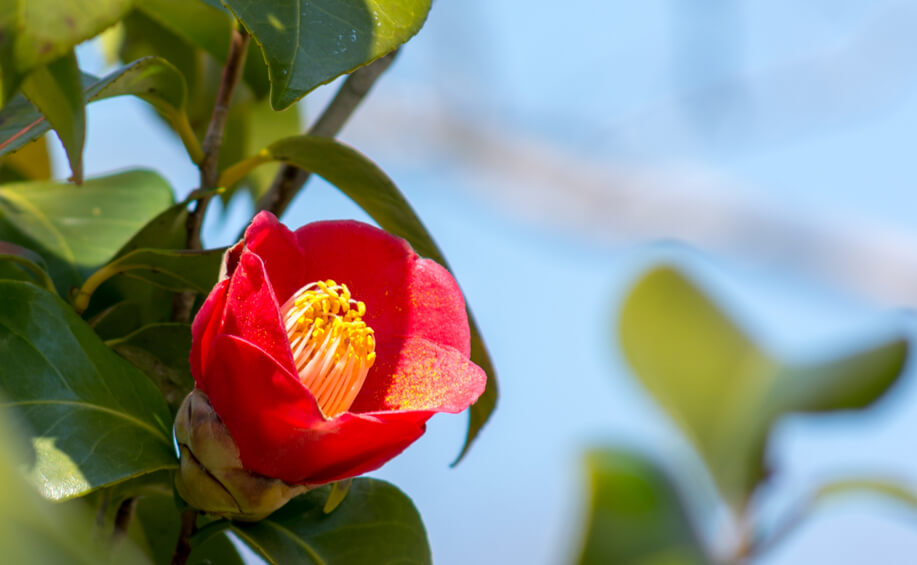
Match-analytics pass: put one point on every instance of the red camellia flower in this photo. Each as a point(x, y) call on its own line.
point(325, 350)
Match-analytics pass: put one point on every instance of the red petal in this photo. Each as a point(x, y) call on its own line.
point(205, 326)
point(424, 376)
point(252, 312)
point(283, 258)
point(279, 429)
point(404, 294)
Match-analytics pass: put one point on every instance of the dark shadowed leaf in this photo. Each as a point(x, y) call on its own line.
point(307, 42)
point(376, 524)
point(96, 420)
point(57, 92)
point(170, 269)
point(35, 32)
point(161, 351)
point(637, 516)
point(29, 261)
point(151, 79)
point(373, 191)
point(76, 229)
point(724, 390)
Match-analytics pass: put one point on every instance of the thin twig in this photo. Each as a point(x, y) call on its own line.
point(183, 302)
point(290, 179)
point(183, 545)
point(213, 139)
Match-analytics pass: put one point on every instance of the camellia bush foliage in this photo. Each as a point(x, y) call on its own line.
point(726, 393)
point(160, 395)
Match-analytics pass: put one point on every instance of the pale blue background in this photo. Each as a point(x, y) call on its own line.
point(779, 134)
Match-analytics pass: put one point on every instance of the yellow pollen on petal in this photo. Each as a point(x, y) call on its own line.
point(332, 346)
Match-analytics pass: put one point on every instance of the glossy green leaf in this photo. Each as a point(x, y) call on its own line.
point(56, 90)
point(208, 27)
point(724, 390)
point(151, 79)
point(35, 32)
point(308, 43)
point(375, 524)
point(96, 420)
point(373, 191)
point(33, 530)
point(76, 229)
point(161, 351)
point(636, 515)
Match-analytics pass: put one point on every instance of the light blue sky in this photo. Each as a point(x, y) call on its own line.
point(810, 113)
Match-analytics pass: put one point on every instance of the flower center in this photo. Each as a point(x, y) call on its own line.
point(333, 348)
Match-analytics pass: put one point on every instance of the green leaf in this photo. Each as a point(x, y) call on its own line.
point(33, 530)
point(152, 79)
point(307, 43)
point(259, 125)
point(28, 259)
point(96, 420)
point(31, 162)
point(373, 191)
point(35, 32)
point(175, 270)
point(637, 516)
point(724, 390)
point(57, 92)
point(376, 523)
point(209, 27)
point(161, 351)
point(218, 549)
point(76, 229)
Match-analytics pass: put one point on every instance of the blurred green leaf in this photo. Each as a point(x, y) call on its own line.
point(203, 24)
point(30, 162)
point(57, 92)
point(884, 487)
point(152, 79)
point(96, 420)
point(33, 530)
point(376, 523)
point(722, 389)
point(35, 32)
point(76, 229)
point(373, 191)
point(170, 269)
point(161, 351)
point(308, 43)
point(637, 516)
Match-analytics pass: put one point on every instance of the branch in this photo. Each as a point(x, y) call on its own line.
point(183, 545)
point(213, 139)
point(182, 303)
point(290, 179)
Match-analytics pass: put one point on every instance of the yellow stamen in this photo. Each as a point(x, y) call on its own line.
point(332, 346)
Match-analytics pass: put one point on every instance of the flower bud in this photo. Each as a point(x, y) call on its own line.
point(211, 477)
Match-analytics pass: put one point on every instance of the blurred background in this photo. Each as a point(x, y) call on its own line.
point(555, 153)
